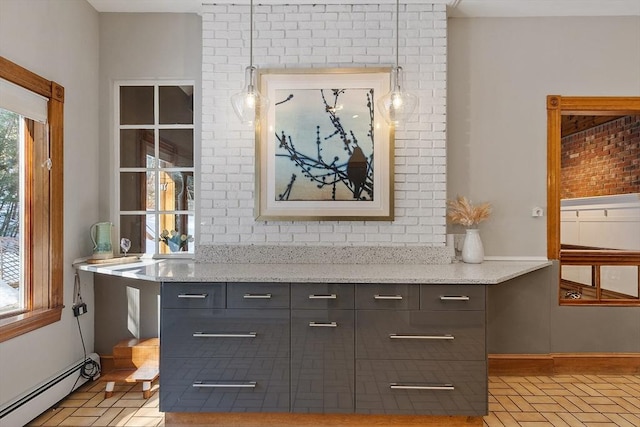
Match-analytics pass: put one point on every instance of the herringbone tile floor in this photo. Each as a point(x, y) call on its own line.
point(564, 401)
point(556, 401)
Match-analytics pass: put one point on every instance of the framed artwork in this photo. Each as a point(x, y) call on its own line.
point(323, 152)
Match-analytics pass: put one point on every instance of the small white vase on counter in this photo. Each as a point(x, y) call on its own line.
point(472, 249)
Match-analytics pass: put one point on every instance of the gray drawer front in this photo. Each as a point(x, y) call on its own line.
point(322, 296)
point(322, 361)
point(388, 297)
point(258, 295)
point(428, 335)
point(422, 387)
point(224, 385)
point(225, 333)
point(193, 295)
point(452, 297)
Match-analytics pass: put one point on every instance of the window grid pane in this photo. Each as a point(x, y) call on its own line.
point(156, 169)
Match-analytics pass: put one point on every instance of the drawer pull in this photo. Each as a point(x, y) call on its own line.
point(256, 296)
point(194, 296)
point(385, 297)
point(223, 335)
point(202, 384)
point(396, 386)
point(421, 337)
point(454, 298)
point(327, 296)
point(323, 325)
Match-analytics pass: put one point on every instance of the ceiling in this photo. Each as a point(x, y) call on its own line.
point(573, 124)
point(457, 8)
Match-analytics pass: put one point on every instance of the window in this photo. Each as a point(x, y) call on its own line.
point(12, 157)
point(593, 195)
point(31, 117)
point(155, 140)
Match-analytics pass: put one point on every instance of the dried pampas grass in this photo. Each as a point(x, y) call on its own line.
point(462, 211)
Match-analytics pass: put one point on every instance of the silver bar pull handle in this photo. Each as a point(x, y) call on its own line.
point(421, 337)
point(396, 386)
point(323, 325)
point(256, 296)
point(324, 296)
point(454, 298)
point(393, 297)
point(194, 296)
point(224, 335)
point(202, 384)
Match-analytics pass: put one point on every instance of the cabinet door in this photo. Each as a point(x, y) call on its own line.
point(224, 385)
point(421, 387)
point(452, 297)
point(322, 361)
point(225, 333)
point(258, 295)
point(193, 295)
point(428, 335)
point(322, 296)
point(388, 296)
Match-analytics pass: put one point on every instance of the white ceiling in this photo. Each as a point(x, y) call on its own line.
point(457, 8)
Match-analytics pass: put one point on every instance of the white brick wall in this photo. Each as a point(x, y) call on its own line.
point(323, 36)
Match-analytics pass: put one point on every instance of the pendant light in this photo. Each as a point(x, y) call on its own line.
point(249, 103)
point(397, 106)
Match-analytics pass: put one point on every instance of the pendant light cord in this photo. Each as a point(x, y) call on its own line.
point(397, 33)
point(251, 35)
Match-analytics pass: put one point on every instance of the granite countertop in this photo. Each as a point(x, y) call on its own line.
point(487, 273)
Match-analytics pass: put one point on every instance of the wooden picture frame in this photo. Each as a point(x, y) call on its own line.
point(323, 152)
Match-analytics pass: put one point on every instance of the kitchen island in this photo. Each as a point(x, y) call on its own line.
point(355, 343)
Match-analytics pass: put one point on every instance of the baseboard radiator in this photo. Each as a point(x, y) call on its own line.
point(36, 401)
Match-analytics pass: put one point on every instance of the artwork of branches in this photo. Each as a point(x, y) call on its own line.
point(325, 144)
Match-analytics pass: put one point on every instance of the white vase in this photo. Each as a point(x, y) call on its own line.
point(472, 249)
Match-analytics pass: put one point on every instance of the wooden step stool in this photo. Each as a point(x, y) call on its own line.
point(134, 361)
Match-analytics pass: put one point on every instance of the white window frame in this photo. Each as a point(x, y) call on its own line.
point(156, 127)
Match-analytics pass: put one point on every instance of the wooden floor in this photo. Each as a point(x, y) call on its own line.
point(556, 401)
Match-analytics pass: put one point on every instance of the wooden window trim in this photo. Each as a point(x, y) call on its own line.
point(557, 106)
point(45, 296)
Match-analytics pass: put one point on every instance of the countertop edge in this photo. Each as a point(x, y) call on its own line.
point(487, 273)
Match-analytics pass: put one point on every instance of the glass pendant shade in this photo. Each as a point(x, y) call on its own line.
point(397, 106)
point(249, 103)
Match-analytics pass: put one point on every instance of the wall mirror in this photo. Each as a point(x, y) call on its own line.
point(593, 196)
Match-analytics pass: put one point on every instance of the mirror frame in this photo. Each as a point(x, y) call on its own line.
point(558, 106)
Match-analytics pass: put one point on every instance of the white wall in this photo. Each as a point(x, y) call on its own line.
point(323, 36)
point(143, 46)
point(137, 46)
point(58, 39)
point(500, 72)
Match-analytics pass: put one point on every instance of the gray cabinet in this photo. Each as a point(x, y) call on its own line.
point(426, 356)
point(226, 333)
point(322, 348)
point(387, 297)
point(224, 384)
point(417, 334)
point(194, 295)
point(229, 357)
point(421, 387)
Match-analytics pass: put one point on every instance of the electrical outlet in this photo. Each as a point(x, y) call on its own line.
point(79, 309)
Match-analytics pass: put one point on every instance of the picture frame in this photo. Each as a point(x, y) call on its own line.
point(323, 151)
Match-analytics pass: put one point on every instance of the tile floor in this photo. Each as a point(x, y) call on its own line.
point(556, 401)
point(564, 400)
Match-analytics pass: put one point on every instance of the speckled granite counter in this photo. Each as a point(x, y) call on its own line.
point(487, 273)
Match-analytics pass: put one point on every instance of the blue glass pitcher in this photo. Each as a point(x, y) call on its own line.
point(100, 233)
